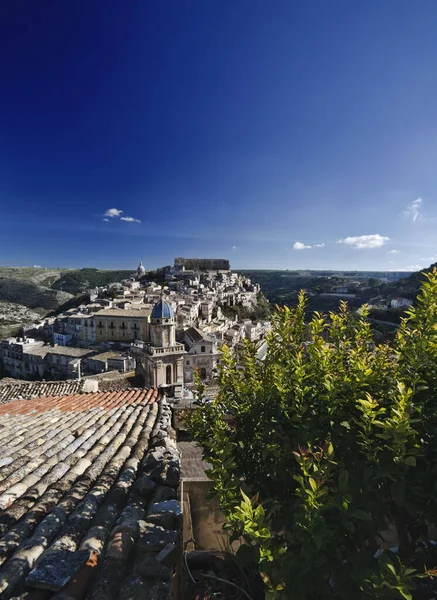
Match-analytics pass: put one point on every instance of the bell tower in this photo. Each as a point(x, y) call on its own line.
point(163, 363)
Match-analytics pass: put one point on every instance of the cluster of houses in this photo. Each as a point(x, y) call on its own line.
point(166, 331)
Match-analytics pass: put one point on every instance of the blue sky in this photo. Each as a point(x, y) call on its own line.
point(264, 132)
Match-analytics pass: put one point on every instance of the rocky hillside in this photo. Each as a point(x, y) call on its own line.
point(38, 275)
point(30, 294)
point(14, 316)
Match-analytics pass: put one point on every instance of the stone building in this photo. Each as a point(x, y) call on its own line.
point(26, 358)
point(121, 325)
point(202, 264)
point(202, 355)
point(162, 363)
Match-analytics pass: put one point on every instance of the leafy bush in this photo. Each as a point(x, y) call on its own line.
point(323, 449)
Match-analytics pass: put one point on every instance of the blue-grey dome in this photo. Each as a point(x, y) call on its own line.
point(162, 310)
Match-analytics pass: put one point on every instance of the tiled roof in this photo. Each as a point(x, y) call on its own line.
point(87, 497)
point(195, 334)
point(40, 350)
point(14, 390)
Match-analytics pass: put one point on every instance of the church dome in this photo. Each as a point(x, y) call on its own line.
point(162, 310)
point(141, 271)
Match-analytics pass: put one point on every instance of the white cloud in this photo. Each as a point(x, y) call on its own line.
point(413, 209)
point(412, 268)
point(429, 258)
point(300, 246)
point(365, 241)
point(130, 220)
point(234, 247)
point(113, 212)
point(106, 219)
point(393, 251)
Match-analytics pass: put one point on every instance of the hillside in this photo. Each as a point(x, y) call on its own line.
point(13, 316)
point(29, 293)
point(78, 281)
point(282, 287)
point(39, 275)
point(408, 287)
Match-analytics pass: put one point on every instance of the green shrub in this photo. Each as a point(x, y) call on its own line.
point(317, 451)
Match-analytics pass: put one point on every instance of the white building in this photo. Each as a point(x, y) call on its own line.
point(400, 302)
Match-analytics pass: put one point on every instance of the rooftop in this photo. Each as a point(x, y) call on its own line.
point(105, 355)
point(197, 335)
point(41, 350)
point(87, 492)
point(140, 313)
point(12, 390)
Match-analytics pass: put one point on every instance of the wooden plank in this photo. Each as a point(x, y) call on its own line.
point(187, 525)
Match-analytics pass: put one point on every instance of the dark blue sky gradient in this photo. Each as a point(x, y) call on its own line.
point(229, 129)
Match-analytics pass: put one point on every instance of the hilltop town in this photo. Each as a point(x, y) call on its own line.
point(162, 331)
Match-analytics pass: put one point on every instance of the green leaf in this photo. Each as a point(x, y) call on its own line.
point(403, 592)
point(410, 461)
point(313, 484)
point(391, 568)
point(246, 498)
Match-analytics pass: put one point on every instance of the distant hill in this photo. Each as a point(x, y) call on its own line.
point(408, 286)
point(29, 293)
point(282, 287)
point(78, 281)
point(39, 275)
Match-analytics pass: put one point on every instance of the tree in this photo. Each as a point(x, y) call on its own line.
point(318, 451)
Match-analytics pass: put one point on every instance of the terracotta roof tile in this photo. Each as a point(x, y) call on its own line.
point(31, 389)
point(74, 477)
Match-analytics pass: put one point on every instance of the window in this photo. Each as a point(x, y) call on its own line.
point(100, 325)
point(188, 363)
point(202, 349)
point(112, 325)
point(168, 374)
point(123, 326)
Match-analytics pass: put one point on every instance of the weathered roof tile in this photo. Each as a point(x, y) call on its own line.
point(67, 474)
